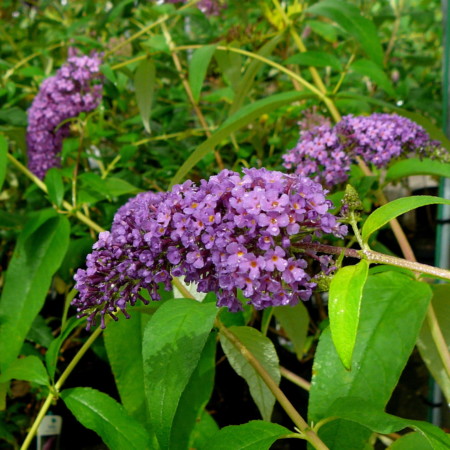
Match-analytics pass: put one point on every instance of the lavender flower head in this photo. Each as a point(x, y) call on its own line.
point(75, 88)
point(326, 152)
point(228, 233)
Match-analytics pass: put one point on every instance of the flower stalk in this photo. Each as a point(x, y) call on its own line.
point(298, 420)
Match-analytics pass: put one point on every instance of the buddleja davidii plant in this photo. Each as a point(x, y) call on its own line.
point(175, 323)
point(75, 399)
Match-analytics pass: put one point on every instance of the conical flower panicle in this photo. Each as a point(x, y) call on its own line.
point(227, 233)
point(75, 88)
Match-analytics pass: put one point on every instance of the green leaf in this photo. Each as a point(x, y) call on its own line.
point(365, 413)
point(123, 341)
point(417, 166)
point(384, 214)
point(247, 80)
point(198, 67)
point(239, 120)
point(116, 186)
point(102, 414)
point(254, 435)
point(315, 59)
point(425, 343)
point(55, 186)
point(29, 368)
point(326, 30)
point(51, 357)
point(350, 19)
point(205, 429)
point(3, 159)
point(109, 187)
point(173, 342)
point(375, 73)
point(195, 397)
point(157, 43)
point(344, 302)
point(230, 64)
point(40, 332)
point(39, 252)
point(295, 322)
point(411, 440)
point(392, 311)
point(14, 116)
point(264, 351)
point(144, 83)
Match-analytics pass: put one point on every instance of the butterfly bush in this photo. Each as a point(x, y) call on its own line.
point(326, 153)
point(227, 233)
point(75, 88)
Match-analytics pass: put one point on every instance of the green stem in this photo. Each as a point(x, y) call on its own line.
point(438, 338)
point(54, 392)
point(378, 258)
point(294, 378)
point(69, 297)
point(188, 90)
point(298, 420)
point(269, 62)
point(37, 421)
point(354, 225)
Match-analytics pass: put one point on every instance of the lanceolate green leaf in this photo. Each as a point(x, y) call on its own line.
point(198, 67)
point(173, 342)
point(51, 357)
point(3, 159)
point(349, 18)
point(344, 303)
point(384, 214)
point(195, 397)
point(295, 322)
point(425, 343)
point(411, 440)
point(38, 254)
point(205, 428)
point(375, 73)
point(123, 341)
point(263, 350)
point(315, 59)
point(417, 166)
point(254, 435)
point(247, 80)
point(365, 413)
point(29, 368)
point(239, 120)
point(144, 83)
point(55, 186)
point(392, 311)
point(102, 414)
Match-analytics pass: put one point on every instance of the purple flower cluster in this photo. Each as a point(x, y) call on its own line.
point(208, 7)
point(326, 152)
point(379, 138)
point(228, 233)
point(75, 88)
